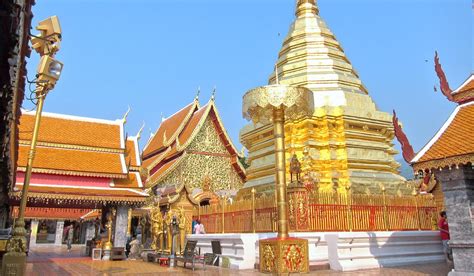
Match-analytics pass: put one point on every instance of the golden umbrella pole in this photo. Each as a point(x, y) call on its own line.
point(280, 167)
point(275, 103)
point(14, 261)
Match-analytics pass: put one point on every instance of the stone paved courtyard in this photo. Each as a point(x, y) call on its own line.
point(51, 261)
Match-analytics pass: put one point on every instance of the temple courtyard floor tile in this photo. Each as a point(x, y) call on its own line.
point(57, 261)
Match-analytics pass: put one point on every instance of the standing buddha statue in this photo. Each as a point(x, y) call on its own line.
point(157, 229)
point(182, 229)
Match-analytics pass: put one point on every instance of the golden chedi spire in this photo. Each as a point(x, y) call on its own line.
point(348, 139)
point(304, 7)
point(312, 57)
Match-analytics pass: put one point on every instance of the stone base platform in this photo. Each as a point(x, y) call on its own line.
point(341, 250)
point(364, 250)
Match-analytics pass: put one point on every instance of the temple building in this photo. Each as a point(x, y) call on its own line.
point(81, 166)
point(191, 148)
point(448, 159)
point(347, 142)
point(14, 48)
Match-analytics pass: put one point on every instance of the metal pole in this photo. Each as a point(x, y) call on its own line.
point(349, 208)
point(14, 261)
point(253, 210)
point(223, 212)
point(31, 157)
point(417, 211)
point(385, 220)
point(282, 204)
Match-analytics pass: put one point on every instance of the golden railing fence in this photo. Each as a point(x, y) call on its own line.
point(318, 211)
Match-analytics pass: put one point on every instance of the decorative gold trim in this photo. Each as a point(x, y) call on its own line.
point(445, 162)
point(159, 159)
point(71, 146)
point(196, 130)
point(134, 168)
point(99, 198)
point(154, 182)
point(284, 256)
point(463, 96)
point(224, 131)
point(182, 125)
point(61, 172)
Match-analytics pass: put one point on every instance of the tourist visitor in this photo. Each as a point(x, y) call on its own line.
point(70, 236)
point(444, 232)
point(199, 228)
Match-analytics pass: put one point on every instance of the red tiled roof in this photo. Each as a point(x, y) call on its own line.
point(159, 164)
point(455, 138)
point(73, 161)
point(169, 128)
point(133, 180)
point(72, 130)
point(132, 156)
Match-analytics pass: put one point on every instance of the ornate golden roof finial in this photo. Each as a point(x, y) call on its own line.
point(124, 119)
point(139, 134)
point(197, 94)
point(162, 117)
point(213, 95)
point(304, 7)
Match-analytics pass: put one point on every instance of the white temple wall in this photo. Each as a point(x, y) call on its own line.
point(341, 250)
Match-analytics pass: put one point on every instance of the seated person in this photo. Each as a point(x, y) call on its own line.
point(134, 248)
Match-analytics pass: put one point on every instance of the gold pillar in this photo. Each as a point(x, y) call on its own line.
point(385, 217)
point(14, 261)
point(349, 207)
point(129, 223)
point(280, 171)
point(275, 103)
point(415, 196)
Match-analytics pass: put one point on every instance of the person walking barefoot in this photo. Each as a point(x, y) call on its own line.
point(70, 236)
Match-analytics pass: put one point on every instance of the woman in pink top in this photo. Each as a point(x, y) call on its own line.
point(199, 228)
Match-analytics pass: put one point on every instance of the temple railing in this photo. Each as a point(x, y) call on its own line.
point(315, 212)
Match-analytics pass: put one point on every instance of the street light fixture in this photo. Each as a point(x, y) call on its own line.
point(47, 42)
point(48, 72)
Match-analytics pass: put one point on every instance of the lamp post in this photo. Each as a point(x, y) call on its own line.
point(48, 72)
point(275, 103)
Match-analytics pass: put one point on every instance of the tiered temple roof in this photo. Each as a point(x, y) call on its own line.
point(453, 144)
point(79, 162)
point(172, 144)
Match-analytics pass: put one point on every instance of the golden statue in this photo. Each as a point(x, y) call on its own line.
point(293, 258)
point(108, 244)
point(167, 229)
point(157, 229)
point(269, 257)
point(295, 169)
point(182, 229)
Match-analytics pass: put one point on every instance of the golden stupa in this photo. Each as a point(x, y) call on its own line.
point(347, 142)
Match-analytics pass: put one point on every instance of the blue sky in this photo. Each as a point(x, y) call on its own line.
point(152, 55)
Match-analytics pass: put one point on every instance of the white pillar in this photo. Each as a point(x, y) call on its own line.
point(121, 224)
point(58, 240)
point(34, 231)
